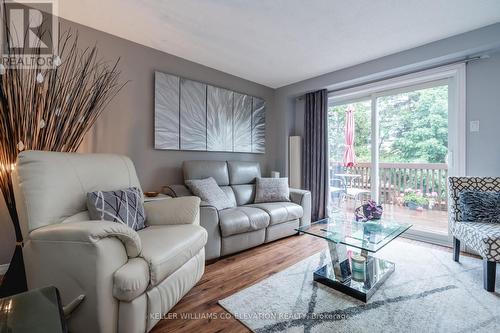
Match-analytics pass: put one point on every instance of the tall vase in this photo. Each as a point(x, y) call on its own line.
point(14, 281)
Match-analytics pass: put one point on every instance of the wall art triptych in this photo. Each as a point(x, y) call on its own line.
point(191, 115)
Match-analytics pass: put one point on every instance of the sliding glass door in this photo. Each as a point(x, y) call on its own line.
point(394, 142)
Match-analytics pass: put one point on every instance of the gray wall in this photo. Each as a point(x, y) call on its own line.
point(483, 104)
point(483, 90)
point(127, 125)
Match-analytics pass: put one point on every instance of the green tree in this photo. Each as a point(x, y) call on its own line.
point(414, 126)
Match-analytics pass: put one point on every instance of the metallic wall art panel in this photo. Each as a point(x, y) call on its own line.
point(258, 125)
point(166, 111)
point(193, 115)
point(242, 123)
point(219, 119)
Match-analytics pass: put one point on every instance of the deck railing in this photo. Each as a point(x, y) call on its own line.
point(395, 178)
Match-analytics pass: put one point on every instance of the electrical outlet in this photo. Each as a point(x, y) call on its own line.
point(474, 126)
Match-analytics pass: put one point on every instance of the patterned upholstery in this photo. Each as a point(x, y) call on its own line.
point(122, 206)
point(482, 237)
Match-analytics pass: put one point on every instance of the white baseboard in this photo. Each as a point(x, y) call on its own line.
point(4, 268)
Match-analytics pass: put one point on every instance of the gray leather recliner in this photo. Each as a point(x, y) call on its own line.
point(130, 279)
point(248, 224)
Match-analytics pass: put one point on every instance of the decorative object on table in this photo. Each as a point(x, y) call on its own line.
point(37, 310)
point(191, 115)
point(340, 262)
point(275, 174)
point(358, 267)
point(151, 194)
point(48, 109)
point(121, 206)
point(158, 197)
point(368, 212)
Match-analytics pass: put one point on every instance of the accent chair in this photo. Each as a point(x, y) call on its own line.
point(129, 278)
point(482, 237)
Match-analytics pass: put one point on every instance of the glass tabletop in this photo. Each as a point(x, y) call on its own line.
point(369, 236)
point(37, 310)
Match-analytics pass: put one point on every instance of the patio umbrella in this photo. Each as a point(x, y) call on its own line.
point(349, 155)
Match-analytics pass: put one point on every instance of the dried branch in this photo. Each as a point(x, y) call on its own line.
point(51, 109)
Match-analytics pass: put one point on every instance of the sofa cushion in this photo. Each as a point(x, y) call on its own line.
point(131, 280)
point(208, 190)
point(204, 169)
point(228, 191)
point(280, 211)
point(242, 219)
point(243, 172)
point(480, 206)
point(244, 194)
point(167, 248)
point(272, 190)
point(122, 206)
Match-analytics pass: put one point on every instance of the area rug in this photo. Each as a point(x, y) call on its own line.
point(428, 292)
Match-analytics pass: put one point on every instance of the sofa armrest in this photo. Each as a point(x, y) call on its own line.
point(177, 191)
point(209, 219)
point(184, 210)
point(303, 198)
point(80, 258)
point(90, 232)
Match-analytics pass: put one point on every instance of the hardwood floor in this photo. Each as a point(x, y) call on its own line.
point(198, 311)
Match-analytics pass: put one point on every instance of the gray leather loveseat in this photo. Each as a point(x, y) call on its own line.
point(248, 224)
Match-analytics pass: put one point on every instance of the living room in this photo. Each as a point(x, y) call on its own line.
point(264, 166)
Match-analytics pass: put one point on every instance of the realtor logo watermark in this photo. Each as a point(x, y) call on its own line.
point(30, 33)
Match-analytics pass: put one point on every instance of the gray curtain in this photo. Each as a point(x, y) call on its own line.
point(315, 152)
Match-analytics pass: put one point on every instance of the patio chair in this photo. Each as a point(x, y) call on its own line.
point(482, 237)
point(357, 194)
point(337, 191)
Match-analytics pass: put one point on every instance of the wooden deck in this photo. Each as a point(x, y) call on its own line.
point(435, 221)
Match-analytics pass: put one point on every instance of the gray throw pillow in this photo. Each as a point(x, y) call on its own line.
point(479, 206)
point(272, 190)
point(122, 206)
point(208, 190)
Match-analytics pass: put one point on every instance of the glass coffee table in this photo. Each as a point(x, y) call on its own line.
point(356, 274)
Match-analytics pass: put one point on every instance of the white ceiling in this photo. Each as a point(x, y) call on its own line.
point(279, 42)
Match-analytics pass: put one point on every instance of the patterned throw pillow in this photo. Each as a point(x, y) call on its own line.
point(122, 206)
point(272, 190)
point(208, 190)
point(480, 206)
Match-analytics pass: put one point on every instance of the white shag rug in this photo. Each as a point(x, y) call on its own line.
point(428, 292)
